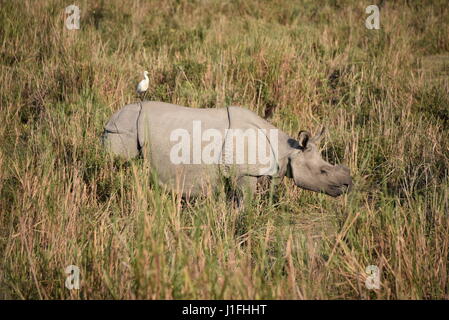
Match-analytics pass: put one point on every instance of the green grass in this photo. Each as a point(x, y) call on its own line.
point(382, 94)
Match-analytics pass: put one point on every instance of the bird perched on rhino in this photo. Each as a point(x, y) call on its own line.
point(143, 85)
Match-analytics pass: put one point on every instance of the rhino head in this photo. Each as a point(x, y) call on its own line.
point(311, 172)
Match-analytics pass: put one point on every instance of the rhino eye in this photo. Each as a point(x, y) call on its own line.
point(324, 171)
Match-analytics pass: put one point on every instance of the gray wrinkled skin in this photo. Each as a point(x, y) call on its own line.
point(145, 129)
point(311, 172)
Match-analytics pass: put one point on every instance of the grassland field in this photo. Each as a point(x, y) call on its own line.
point(383, 96)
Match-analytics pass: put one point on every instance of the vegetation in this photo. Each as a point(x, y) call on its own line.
point(382, 94)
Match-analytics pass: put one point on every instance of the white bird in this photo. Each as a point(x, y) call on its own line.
point(142, 87)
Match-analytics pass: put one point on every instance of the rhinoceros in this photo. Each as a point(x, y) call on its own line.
point(191, 149)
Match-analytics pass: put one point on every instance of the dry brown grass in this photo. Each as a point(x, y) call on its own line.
point(382, 95)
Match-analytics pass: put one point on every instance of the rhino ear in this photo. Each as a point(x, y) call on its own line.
point(316, 139)
point(303, 138)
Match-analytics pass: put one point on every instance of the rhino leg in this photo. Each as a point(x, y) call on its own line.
point(247, 187)
point(247, 184)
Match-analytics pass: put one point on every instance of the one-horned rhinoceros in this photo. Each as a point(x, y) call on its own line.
point(190, 149)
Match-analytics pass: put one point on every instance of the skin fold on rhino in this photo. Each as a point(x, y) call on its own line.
point(179, 143)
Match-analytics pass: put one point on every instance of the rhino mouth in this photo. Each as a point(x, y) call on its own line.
point(342, 182)
point(338, 190)
point(331, 190)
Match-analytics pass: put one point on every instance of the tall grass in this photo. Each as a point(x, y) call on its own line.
point(382, 94)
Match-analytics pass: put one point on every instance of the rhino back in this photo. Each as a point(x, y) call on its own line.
point(262, 152)
point(157, 123)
